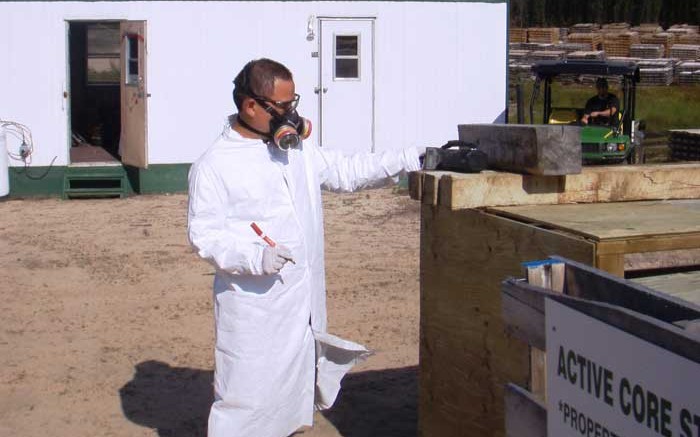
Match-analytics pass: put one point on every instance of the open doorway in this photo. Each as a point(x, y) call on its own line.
point(108, 92)
point(95, 122)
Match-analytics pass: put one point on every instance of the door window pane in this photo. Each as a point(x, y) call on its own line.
point(132, 60)
point(346, 45)
point(347, 57)
point(102, 53)
point(347, 69)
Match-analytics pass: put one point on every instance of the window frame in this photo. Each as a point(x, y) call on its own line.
point(129, 41)
point(98, 55)
point(357, 57)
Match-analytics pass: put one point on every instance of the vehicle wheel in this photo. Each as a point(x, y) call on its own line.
point(631, 157)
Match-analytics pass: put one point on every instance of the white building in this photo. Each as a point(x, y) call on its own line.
point(157, 76)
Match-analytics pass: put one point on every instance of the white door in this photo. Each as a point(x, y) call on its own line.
point(133, 143)
point(346, 85)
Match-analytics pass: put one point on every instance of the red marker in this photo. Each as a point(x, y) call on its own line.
point(270, 242)
point(259, 231)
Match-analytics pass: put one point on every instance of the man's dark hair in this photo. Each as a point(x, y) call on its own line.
point(601, 82)
point(258, 78)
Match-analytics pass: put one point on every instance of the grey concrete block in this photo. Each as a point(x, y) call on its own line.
point(548, 150)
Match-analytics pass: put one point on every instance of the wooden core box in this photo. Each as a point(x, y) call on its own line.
point(466, 358)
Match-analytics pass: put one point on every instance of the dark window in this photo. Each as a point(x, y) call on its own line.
point(132, 60)
point(347, 57)
point(103, 53)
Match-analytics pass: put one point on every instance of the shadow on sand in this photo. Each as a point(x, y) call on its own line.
point(175, 401)
point(377, 403)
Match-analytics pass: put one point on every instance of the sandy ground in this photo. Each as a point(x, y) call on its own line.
point(107, 325)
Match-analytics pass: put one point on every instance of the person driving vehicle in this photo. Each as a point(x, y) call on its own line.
point(601, 107)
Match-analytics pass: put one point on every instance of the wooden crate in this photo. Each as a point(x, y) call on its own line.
point(638, 318)
point(466, 358)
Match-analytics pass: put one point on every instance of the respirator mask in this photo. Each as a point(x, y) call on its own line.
point(288, 129)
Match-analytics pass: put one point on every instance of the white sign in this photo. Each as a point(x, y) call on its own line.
point(604, 382)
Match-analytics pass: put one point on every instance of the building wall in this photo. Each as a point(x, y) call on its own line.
point(437, 64)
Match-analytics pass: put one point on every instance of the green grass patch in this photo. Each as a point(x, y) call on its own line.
point(663, 107)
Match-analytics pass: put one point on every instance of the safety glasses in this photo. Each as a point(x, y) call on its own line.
point(287, 106)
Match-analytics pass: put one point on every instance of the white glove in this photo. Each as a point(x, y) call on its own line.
point(274, 258)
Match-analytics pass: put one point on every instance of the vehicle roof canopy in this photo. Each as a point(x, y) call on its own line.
point(628, 69)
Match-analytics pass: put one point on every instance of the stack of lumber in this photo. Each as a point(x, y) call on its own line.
point(690, 28)
point(656, 71)
point(545, 55)
point(569, 47)
point(688, 73)
point(563, 33)
point(528, 46)
point(586, 54)
point(618, 44)
point(648, 28)
point(593, 40)
point(624, 58)
point(518, 55)
point(584, 28)
point(517, 34)
point(685, 34)
point(663, 38)
point(685, 144)
point(647, 51)
point(685, 52)
point(690, 38)
point(615, 27)
point(543, 34)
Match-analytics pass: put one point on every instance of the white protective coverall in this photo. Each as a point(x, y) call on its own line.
point(274, 359)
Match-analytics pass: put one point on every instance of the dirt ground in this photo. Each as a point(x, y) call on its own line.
point(107, 325)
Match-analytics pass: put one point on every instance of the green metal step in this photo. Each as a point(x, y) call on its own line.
point(83, 182)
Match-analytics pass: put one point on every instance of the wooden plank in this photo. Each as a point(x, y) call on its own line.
point(525, 315)
point(592, 185)
point(524, 320)
point(692, 327)
point(611, 263)
point(650, 243)
point(587, 283)
point(662, 259)
point(526, 416)
point(431, 181)
point(551, 150)
point(623, 220)
point(466, 357)
point(660, 332)
point(548, 275)
point(685, 285)
point(415, 184)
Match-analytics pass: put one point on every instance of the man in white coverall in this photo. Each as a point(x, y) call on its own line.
point(275, 362)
